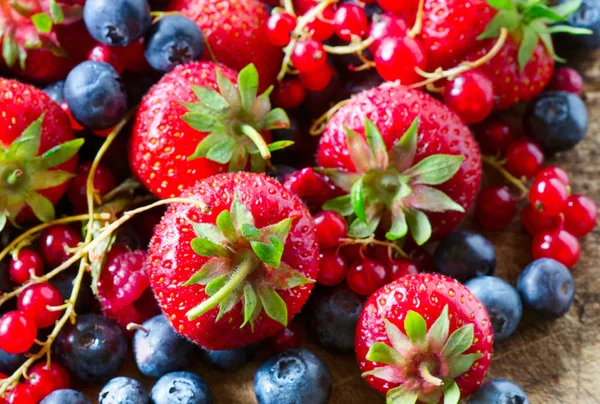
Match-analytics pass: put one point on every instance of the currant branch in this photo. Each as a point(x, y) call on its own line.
point(372, 240)
point(498, 165)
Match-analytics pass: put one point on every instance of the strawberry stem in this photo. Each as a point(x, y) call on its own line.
point(257, 139)
point(425, 372)
point(14, 177)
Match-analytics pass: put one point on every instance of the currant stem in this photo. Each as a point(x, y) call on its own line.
point(318, 126)
point(352, 48)
point(416, 29)
point(425, 372)
point(257, 139)
point(374, 241)
point(499, 166)
point(288, 5)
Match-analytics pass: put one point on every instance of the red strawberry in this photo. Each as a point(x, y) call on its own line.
point(172, 146)
point(423, 337)
point(235, 32)
point(37, 152)
point(254, 255)
point(392, 110)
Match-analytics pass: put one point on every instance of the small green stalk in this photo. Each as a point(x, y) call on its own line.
point(425, 372)
point(14, 177)
point(257, 139)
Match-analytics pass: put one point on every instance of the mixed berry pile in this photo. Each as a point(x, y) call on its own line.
point(205, 179)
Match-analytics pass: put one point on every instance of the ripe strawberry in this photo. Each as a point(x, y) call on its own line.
point(235, 32)
point(423, 337)
point(195, 123)
point(254, 254)
point(388, 166)
point(37, 153)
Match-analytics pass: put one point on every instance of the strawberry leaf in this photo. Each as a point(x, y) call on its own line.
point(567, 8)
point(285, 277)
point(382, 353)
point(216, 284)
point(222, 151)
point(436, 169)
point(250, 303)
point(438, 333)
point(3, 220)
point(250, 232)
point(399, 340)
point(42, 207)
point(206, 248)
point(460, 364)
point(416, 328)
point(378, 148)
point(208, 232)
point(257, 164)
point(360, 152)
point(229, 302)
point(502, 4)
point(248, 86)
point(419, 225)
point(276, 119)
point(227, 89)
point(402, 154)
point(210, 98)
point(341, 205)
point(273, 305)
point(527, 47)
point(225, 225)
point(432, 200)
point(279, 230)
point(239, 213)
point(10, 50)
point(358, 201)
point(204, 123)
point(270, 254)
point(43, 22)
point(399, 227)
point(210, 271)
point(389, 373)
point(509, 19)
point(451, 392)
point(343, 179)
point(205, 145)
point(280, 145)
point(56, 13)
point(459, 341)
point(399, 396)
point(58, 155)
point(26, 146)
point(49, 179)
point(361, 229)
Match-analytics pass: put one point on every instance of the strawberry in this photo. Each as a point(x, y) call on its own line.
point(195, 123)
point(38, 153)
point(235, 32)
point(408, 133)
point(424, 337)
point(237, 272)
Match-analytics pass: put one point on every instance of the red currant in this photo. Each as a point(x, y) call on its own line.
point(397, 58)
point(331, 227)
point(398, 6)
point(332, 268)
point(291, 337)
point(553, 172)
point(534, 222)
point(559, 245)
point(34, 302)
point(350, 21)
point(54, 242)
point(309, 55)
point(549, 196)
point(317, 80)
point(420, 256)
point(133, 56)
point(45, 378)
point(524, 159)
point(17, 332)
point(366, 276)
point(566, 79)
point(104, 181)
point(322, 27)
point(279, 28)
point(22, 394)
point(303, 6)
point(106, 54)
point(289, 94)
point(471, 96)
point(385, 26)
point(495, 208)
point(26, 263)
point(495, 136)
point(399, 268)
point(581, 215)
point(357, 252)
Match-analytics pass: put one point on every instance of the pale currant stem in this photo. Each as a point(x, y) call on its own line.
point(374, 241)
point(499, 166)
point(352, 48)
point(129, 184)
point(257, 139)
point(288, 5)
point(318, 126)
point(425, 373)
point(418, 26)
point(136, 327)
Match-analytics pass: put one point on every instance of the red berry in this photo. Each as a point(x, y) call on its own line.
point(399, 268)
point(34, 302)
point(310, 186)
point(322, 27)
point(495, 208)
point(366, 276)
point(471, 96)
point(385, 26)
point(566, 79)
point(317, 80)
point(398, 6)
point(357, 252)
point(332, 268)
point(74, 124)
point(309, 55)
point(45, 378)
point(106, 54)
point(397, 58)
point(420, 256)
point(133, 58)
point(54, 242)
point(26, 262)
point(104, 181)
point(495, 136)
point(535, 223)
point(22, 394)
point(350, 21)
point(289, 94)
point(279, 28)
point(581, 215)
point(330, 227)
point(524, 158)
point(102, 132)
point(291, 337)
point(549, 196)
point(17, 332)
point(559, 245)
point(553, 172)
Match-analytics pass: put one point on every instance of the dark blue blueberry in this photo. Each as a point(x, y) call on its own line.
point(334, 316)
point(55, 91)
point(173, 40)
point(95, 94)
point(230, 360)
point(64, 283)
point(65, 396)
point(293, 376)
point(10, 362)
point(501, 301)
point(158, 349)
point(499, 391)
point(93, 349)
point(123, 390)
point(181, 387)
point(464, 255)
point(587, 16)
point(546, 287)
point(556, 120)
point(117, 22)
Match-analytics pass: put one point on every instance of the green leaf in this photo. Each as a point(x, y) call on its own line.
point(358, 201)
point(389, 373)
point(402, 154)
point(276, 119)
point(198, 108)
point(239, 159)
point(360, 152)
point(257, 164)
point(27, 145)
point(222, 152)
point(504, 19)
point(216, 284)
point(280, 145)
point(270, 254)
point(415, 327)
point(274, 305)
point(229, 302)
point(436, 169)
point(341, 205)
point(399, 227)
point(279, 230)
point(542, 11)
point(451, 392)
point(2, 220)
point(262, 106)
point(250, 232)
point(225, 225)
point(549, 45)
point(567, 29)
point(459, 341)
point(205, 145)
point(343, 179)
point(461, 363)
point(502, 4)
point(209, 232)
point(59, 154)
point(419, 225)
point(567, 8)
point(49, 179)
point(249, 303)
point(432, 200)
point(42, 208)
point(206, 248)
point(438, 333)
point(22, 58)
point(399, 396)
point(210, 271)
point(228, 90)
point(211, 98)
point(527, 47)
point(204, 123)
point(239, 213)
point(10, 50)
point(248, 86)
point(42, 22)
point(56, 12)
point(399, 340)
point(375, 142)
point(285, 277)
point(382, 353)
point(361, 229)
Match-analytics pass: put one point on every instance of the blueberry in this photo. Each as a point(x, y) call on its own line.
point(546, 286)
point(293, 376)
point(93, 349)
point(587, 16)
point(335, 313)
point(556, 120)
point(172, 41)
point(158, 349)
point(55, 91)
point(464, 255)
point(230, 360)
point(65, 396)
point(501, 301)
point(123, 390)
point(10, 362)
point(95, 95)
point(181, 387)
point(499, 391)
point(117, 22)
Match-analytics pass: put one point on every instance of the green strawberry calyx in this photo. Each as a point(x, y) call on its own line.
point(424, 363)
point(530, 22)
point(245, 266)
point(235, 117)
point(387, 187)
point(23, 173)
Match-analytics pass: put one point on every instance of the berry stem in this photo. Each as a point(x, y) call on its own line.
point(257, 139)
point(425, 372)
point(288, 5)
point(352, 48)
point(416, 29)
point(499, 166)
point(14, 177)
point(374, 241)
point(318, 126)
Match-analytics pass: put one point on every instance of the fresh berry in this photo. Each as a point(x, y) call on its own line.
point(291, 337)
point(501, 301)
point(104, 181)
point(106, 54)
point(495, 136)
point(471, 96)
point(35, 300)
point(366, 276)
point(547, 287)
point(317, 80)
point(553, 172)
point(228, 360)
point(549, 196)
point(55, 91)
point(330, 227)
point(181, 387)
point(397, 57)
point(397, 268)
point(499, 391)
point(534, 222)
point(173, 40)
point(289, 94)
point(398, 319)
point(121, 390)
point(556, 120)
point(45, 378)
point(95, 95)
point(17, 332)
point(333, 318)
point(385, 26)
point(134, 60)
point(586, 16)
point(26, 263)
point(313, 188)
point(92, 349)
point(464, 255)
point(332, 268)
point(581, 215)
point(9, 363)
point(54, 243)
point(308, 55)
point(350, 21)
point(566, 79)
point(116, 22)
point(557, 244)
point(66, 396)
point(322, 27)
point(22, 394)
point(295, 375)
point(398, 7)
point(279, 28)
point(524, 159)
point(496, 207)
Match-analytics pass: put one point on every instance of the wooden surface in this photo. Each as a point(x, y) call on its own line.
point(555, 362)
